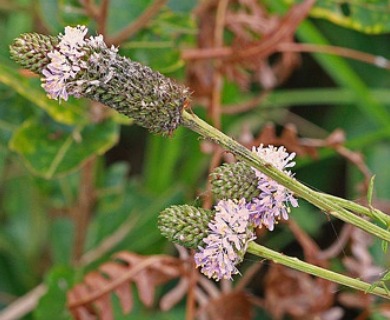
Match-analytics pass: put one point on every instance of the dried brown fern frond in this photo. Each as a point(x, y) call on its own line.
point(91, 299)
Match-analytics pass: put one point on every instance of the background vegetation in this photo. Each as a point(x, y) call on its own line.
point(79, 184)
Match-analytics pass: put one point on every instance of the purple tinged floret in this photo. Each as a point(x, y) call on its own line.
point(229, 234)
point(61, 74)
point(272, 203)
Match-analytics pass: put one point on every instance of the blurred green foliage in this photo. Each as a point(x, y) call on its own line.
point(371, 16)
point(44, 145)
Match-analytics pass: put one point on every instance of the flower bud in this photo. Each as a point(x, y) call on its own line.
point(220, 237)
point(185, 225)
point(234, 181)
point(267, 201)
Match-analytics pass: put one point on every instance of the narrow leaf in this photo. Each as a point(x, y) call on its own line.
point(370, 190)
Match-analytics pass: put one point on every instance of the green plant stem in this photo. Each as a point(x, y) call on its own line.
point(297, 264)
point(196, 124)
point(358, 208)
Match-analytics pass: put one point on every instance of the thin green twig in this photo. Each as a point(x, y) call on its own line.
point(297, 264)
point(359, 209)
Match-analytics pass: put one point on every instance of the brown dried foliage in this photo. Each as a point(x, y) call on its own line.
point(91, 299)
point(234, 305)
point(256, 35)
point(297, 294)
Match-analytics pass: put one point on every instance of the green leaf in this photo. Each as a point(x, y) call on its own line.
point(180, 158)
point(370, 190)
point(130, 212)
point(377, 156)
point(123, 12)
point(3, 157)
point(13, 112)
point(50, 149)
point(386, 277)
point(66, 112)
point(23, 228)
point(181, 6)
point(385, 246)
point(61, 235)
point(60, 13)
point(52, 304)
point(369, 16)
point(158, 44)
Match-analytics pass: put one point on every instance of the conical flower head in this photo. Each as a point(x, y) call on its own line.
point(185, 225)
point(220, 236)
point(234, 181)
point(72, 65)
point(267, 200)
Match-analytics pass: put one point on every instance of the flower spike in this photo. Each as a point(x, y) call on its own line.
point(72, 65)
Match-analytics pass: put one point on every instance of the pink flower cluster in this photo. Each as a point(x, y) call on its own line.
point(233, 226)
point(272, 203)
point(65, 63)
point(227, 241)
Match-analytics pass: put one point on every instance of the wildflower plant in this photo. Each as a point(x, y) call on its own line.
point(256, 191)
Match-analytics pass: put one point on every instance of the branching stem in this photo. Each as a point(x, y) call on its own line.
point(320, 200)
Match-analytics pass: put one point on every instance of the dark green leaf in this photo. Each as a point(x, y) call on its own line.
point(49, 149)
point(123, 12)
point(60, 13)
point(53, 304)
point(61, 240)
